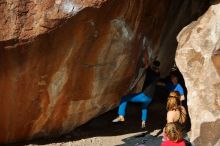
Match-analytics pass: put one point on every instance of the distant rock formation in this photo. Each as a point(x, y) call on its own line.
point(198, 58)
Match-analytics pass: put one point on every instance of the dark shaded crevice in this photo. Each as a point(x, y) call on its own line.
point(180, 14)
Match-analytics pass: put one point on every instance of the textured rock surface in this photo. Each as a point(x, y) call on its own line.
point(24, 19)
point(198, 57)
point(78, 70)
point(64, 78)
point(62, 64)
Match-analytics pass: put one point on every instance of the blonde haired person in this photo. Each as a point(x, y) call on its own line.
point(175, 111)
point(174, 135)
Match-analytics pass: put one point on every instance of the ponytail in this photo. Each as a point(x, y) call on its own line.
point(173, 131)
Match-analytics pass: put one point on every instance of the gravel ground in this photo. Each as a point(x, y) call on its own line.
point(122, 140)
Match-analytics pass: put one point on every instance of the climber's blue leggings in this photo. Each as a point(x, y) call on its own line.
point(139, 97)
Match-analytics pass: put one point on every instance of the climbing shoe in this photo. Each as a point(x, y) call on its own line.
point(143, 124)
point(119, 119)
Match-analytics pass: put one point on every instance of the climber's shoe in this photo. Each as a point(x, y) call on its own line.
point(118, 119)
point(143, 124)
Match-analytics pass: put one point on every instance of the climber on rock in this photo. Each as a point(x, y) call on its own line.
point(173, 84)
point(144, 97)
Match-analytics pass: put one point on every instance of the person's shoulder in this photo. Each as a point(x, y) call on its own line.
point(179, 86)
point(182, 108)
point(171, 112)
point(170, 143)
point(170, 116)
point(166, 143)
point(181, 142)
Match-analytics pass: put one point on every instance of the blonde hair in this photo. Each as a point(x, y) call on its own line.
point(173, 131)
point(175, 94)
point(173, 101)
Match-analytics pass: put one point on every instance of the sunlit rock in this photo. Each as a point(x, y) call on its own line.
point(198, 58)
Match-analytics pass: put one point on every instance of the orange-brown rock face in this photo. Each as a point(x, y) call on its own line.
point(63, 62)
point(198, 58)
point(24, 19)
point(55, 77)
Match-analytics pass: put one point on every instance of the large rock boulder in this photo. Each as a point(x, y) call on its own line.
point(198, 58)
point(57, 71)
point(24, 19)
point(63, 62)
